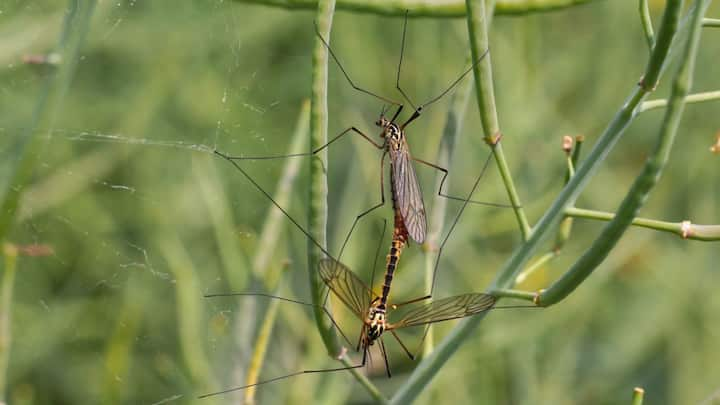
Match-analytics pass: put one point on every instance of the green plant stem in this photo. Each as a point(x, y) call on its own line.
point(427, 369)
point(6, 293)
point(507, 293)
point(25, 152)
point(536, 265)
point(479, 43)
point(711, 22)
point(424, 8)
point(263, 339)
point(684, 229)
point(638, 394)
point(189, 312)
point(691, 99)
point(647, 179)
point(317, 215)
point(647, 24)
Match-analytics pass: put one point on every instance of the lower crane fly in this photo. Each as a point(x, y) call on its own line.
point(372, 309)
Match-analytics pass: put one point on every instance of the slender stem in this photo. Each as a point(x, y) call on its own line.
point(9, 254)
point(685, 229)
point(318, 211)
point(647, 24)
point(638, 394)
point(261, 344)
point(668, 28)
point(24, 153)
point(427, 369)
point(711, 22)
point(424, 8)
point(188, 311)
point(645, 182)
point(478, 32)
point(691, 99)
point(537, 264)
point(507, 293)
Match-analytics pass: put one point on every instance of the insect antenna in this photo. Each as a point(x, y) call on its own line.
point(455, 83)
point(402, 51)
point(344, 72)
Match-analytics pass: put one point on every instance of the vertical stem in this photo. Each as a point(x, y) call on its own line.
point(318, 179)
point(647, 24)
point(478, 32)
point(6, 293)
point(261, 344)
point(638, 394)
point(24, 153)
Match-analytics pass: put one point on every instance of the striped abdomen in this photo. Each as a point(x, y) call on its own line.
point(399, 240)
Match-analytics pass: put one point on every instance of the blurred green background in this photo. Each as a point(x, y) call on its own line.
point(143, 221)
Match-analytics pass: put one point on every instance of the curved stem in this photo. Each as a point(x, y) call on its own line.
point(430, 366)
point(685, 229)
point(691, 99)
point(477, 29)
point(424, 8)
point(646, 181)
point(317, 215)
point(647, 24)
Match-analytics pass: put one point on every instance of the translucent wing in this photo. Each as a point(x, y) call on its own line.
point(407, 195)
point(446, 309)
point(347, 286)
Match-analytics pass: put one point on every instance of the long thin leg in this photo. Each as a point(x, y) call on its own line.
point(362, 214)
point(344, 72)
point(278, 206)
point(326, 370)
point(442, 246)
point(395, 335)
point(445, 175)
point(341, 134)
point(286, 300)
point(385, 356)
point(412, 301)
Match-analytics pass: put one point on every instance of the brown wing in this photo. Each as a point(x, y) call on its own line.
point(408, 197)
point(446, 309)
point(347, 286)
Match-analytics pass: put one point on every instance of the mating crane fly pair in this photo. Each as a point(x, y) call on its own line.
point(409, 222)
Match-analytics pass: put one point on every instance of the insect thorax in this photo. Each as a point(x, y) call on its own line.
point(375, 322)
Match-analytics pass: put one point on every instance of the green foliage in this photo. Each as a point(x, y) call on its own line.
point(142, 219)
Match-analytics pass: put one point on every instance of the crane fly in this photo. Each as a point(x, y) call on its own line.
point(405, 188)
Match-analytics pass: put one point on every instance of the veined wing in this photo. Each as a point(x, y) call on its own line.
point(347, 286)
point(408, 197)
point(446, 309)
